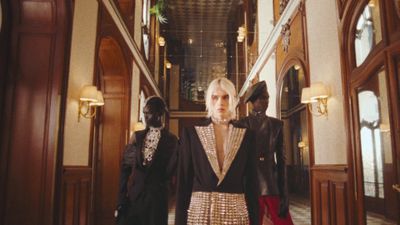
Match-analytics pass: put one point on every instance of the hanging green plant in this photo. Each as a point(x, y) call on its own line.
point(158, 11)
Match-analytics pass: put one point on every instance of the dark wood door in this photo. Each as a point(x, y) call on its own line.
point(113, 129)
point(30, 114)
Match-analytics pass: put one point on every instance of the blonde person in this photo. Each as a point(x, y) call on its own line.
point(216, 181)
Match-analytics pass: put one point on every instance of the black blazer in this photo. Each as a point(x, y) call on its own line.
point(271, 166)
point(152, 178)
point(196, 173)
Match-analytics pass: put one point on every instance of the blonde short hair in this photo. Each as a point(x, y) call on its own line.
point(227, 86)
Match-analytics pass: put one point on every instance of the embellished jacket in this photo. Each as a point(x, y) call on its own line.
point(138, 177)
point(198, 168)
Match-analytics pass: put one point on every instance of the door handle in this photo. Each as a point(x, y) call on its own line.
point(396, 187)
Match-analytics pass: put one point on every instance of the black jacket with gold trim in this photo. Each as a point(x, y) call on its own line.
point(198, 169)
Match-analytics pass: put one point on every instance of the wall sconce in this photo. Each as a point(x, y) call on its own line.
point(302, 145)
point(241, 34)
point(168, 65)
point(139, 126)
point(317, 94)
point(90, 98)
point(161, 41)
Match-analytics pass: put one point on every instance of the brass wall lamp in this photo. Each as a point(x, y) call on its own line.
point(90, 98)
point(316, 95)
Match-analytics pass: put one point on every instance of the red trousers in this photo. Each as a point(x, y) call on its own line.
point(270, 205)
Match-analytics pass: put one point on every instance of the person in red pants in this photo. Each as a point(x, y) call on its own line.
point(271, 168)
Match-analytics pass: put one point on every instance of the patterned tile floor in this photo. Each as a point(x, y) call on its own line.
point(376, 219)
point(300, 210)
point(301, 213)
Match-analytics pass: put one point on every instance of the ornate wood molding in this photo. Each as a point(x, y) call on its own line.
point(76, 196)
point(286, 33)
point(282, 5)
point(330, 194)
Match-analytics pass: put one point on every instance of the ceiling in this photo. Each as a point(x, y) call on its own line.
point(201, 27)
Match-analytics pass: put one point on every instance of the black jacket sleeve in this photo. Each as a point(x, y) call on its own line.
point(251, 181)
point(172, 164)
point(184, 179)
point(128, 162)
point(281, 164)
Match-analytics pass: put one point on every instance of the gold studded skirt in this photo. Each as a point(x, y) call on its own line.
point(216, 208)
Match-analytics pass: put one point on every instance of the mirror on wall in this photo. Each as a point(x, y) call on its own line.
point(296, 142)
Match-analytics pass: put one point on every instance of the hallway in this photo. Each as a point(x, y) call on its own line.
point(332, 69)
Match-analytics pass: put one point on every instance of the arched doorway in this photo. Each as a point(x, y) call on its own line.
point(296, 140)
point(111, 129)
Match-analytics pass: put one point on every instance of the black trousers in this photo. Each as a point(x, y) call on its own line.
point(147, 209)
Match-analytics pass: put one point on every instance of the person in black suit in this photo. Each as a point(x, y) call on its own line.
point(217, 181)
point(148, 163)
point(271, 168)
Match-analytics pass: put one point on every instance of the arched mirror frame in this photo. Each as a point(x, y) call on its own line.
point(383, 55)
point(292, 61)
point(287, 65)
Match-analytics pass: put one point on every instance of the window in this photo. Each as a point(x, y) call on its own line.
point(146, 27)
point(368, 31)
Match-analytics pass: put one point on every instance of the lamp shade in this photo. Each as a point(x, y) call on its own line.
point(100, 100)
point(306, 96)
point(319, 90)
point(89, 93)
point(161, 41)
point(139, 126)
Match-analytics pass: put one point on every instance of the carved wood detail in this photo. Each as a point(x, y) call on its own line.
point(330, 195)
point(76, 196)
point(38, 39)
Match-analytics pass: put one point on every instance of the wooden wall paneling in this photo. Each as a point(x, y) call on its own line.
point(4, 66)
point(76, 196)
point(113, 130)
point(127, 9)
point(330, 195)
point(38, 43)
point(4, 45)
point(392, 18)
point(276, 10)
point(340, 200)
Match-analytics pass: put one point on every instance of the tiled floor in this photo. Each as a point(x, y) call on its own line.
point(301, 213)
point(376, 219)
point(300, 210)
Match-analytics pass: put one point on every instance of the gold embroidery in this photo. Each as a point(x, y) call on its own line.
point(207, 139)
point(234, 141)
point(217, 208)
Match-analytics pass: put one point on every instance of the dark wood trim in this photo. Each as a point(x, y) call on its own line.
point(5, 34)
point(340, 4)
point(351, 77)
point(76, 196)
point(40, 28)
point(330, 195)
point(330, 168)
point(69, 9)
